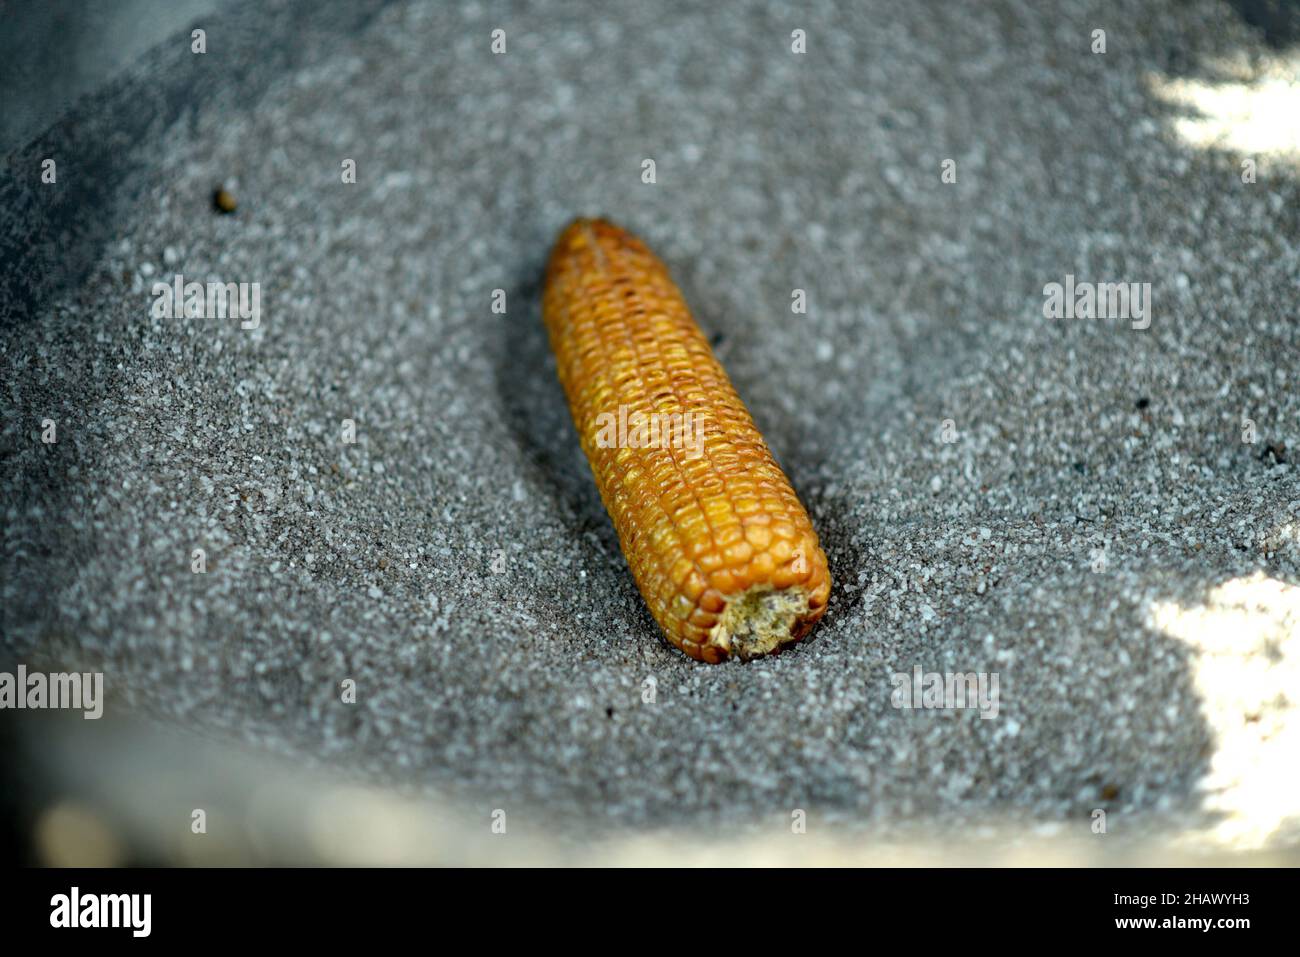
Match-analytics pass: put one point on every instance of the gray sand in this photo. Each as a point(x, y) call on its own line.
point(1097, 532)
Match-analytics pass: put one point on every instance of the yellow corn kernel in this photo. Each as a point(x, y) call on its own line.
point(707, 520)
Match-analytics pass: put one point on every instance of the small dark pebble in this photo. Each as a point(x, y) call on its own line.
point(1079, 467)
point(1109, 792)
point(1275, 451)
point(609, 712)
point(224, 201)
point(1143, 402)
point(717, 339)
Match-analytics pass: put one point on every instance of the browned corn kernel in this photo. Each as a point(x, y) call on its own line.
point(722, 550)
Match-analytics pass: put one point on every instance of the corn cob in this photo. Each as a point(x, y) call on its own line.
point(720, 547)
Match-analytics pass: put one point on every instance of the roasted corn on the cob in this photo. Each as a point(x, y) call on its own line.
point(719, 544)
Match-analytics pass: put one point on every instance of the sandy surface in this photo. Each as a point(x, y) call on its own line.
point(1091, 526)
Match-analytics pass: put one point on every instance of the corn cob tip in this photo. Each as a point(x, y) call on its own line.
point(590, 233)
point(762, 621)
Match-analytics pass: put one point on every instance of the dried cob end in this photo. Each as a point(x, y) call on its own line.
point(720, 546)
point(762, 620)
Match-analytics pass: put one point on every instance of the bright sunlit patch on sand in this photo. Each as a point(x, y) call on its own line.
point(73, 835)
point(352, 826)
point(1247, 670)
point(1254, 116)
